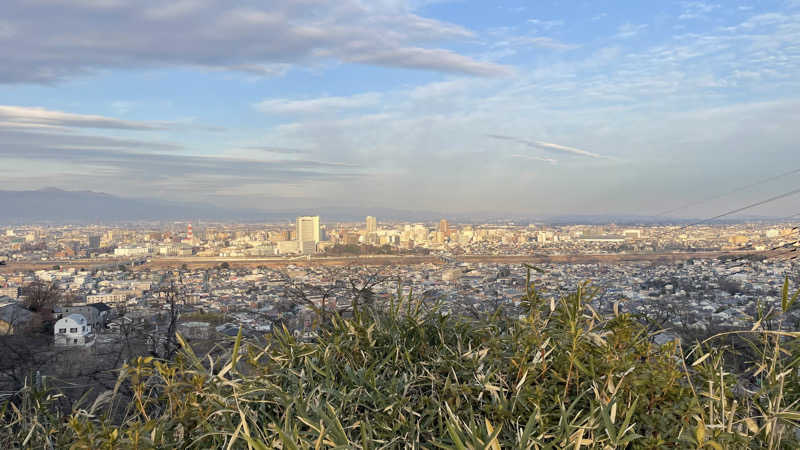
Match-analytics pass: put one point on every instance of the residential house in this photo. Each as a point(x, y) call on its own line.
point(73, 330)
point(96, 314)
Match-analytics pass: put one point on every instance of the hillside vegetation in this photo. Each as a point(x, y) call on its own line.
point(408, 376)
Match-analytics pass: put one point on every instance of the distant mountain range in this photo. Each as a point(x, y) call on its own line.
point(56, 205)
point(59, 206)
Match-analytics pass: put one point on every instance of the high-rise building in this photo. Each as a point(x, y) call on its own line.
point(94, 241)
point(372, 224)
point(307, 229)
point(443, 226)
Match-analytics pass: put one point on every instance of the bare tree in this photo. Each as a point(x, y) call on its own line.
point(353, 282)
point(162, 339)
point(41, 297)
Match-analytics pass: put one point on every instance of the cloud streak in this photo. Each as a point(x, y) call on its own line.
point(126, 163)
point(31, 117)
point(318, 105)
point(279, 150)
point(549, 146)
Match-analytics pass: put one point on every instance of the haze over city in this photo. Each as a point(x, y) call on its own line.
point(446, 106)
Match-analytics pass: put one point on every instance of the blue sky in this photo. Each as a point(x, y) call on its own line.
point(455, 106)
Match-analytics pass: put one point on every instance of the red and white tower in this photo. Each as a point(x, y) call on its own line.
point(189, 235)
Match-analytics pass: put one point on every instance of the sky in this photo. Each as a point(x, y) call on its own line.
point(525, 107)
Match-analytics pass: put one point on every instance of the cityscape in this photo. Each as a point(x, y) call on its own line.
point(243, 273)
point(399, 224)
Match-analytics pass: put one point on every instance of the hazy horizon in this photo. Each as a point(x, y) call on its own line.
point(457, 107)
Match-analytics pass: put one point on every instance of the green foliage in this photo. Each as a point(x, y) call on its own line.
point(409, 376)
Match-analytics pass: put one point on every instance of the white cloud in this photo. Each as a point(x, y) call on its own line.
point(697, 10)
point(441, 89)
point(122, 107)
point(535, 158)
point(32, 116)
point(614, 102)
point(565, 149)
point(432, 59)
point(547, 146)
point(543, 42)
point(318, 105)
point(546, 24)
point(628, 30)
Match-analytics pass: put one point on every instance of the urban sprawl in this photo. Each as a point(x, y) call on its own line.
point(257, 277)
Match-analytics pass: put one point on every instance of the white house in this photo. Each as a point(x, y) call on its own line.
point(73, 330)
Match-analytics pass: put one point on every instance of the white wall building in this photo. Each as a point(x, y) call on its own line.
point(131, 251)
point(110, 298)
point(288, 247)
point(308, 229)
point(73, 330)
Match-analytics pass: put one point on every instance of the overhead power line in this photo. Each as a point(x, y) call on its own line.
point(745, 208)
point(725, 194)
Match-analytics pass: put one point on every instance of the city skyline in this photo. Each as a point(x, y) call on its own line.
point(448, 106)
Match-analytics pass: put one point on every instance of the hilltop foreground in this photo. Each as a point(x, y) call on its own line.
point(405, 375)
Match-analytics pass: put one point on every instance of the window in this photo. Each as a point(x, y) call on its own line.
point(83, 328)
point(74, 341)
point(62, 330)
point(73, 330)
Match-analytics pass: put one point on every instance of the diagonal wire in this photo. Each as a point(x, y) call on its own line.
point(725, 194)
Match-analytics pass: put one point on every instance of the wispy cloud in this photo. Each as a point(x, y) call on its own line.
point(629, 30)
point(549, 146)
point(546, 24)
point(697, 10)
point(139, 163)
point(430, 59)
point(32, 116)
point(545, 42)
point(535, 158)
point(318, 105)
point(564, 149)
point(279, 150)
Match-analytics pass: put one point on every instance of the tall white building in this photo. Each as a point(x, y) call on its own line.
point(372, 224)
point(308, 229)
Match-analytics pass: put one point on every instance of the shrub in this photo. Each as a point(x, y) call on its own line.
point(405, 375)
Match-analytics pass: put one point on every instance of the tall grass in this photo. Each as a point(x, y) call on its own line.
point(408, 376)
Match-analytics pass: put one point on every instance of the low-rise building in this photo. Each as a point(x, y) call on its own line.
point(96, 314)
point(12, 292)
point(14, 319)
point(195, 330)
point(73, 330)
